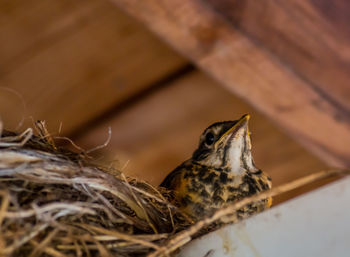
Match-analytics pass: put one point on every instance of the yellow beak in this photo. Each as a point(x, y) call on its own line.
point(242, 122)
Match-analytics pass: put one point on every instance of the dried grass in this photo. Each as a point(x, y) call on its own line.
point(58, 203)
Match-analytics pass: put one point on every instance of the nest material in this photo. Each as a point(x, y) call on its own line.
point(56, 203)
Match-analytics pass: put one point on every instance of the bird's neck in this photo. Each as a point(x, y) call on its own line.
point(241, 161)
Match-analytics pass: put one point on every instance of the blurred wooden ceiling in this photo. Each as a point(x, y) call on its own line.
point(290, 59)
point(72, 60)
point(84, 66)
point(156, 133)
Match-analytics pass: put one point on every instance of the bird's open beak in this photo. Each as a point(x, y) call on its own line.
point(240, 126)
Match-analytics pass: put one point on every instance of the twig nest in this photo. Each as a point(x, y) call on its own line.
point(55, 203)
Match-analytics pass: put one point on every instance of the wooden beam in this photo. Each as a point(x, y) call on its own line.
point(303, 36)
point(70, 61)
point(314, 114)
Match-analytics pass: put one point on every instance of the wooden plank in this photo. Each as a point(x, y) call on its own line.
point(28, 27)
point(316, 118)
point(87, 58)
point(337, 14)
point(303, 36)
point(157, 133)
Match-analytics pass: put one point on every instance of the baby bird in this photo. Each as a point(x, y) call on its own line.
point(220, 171)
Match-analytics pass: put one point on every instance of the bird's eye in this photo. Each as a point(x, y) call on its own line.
point(209, 138)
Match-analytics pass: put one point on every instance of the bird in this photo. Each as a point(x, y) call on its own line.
point(221, 171)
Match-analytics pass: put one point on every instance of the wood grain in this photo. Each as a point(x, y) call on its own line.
point(156, 134)
point(31, 26)
point(304, 38)
point(314, 114)
point(72, 60)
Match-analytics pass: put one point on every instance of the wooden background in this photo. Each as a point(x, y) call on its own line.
point(84, 66)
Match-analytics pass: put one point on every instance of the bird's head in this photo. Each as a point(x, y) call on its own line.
point(226, 145)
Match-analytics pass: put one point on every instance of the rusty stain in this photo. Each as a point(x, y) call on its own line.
point(277, 215)
point(227, 245)
point(243, 235)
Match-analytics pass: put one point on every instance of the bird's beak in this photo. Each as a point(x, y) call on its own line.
point(237, 130)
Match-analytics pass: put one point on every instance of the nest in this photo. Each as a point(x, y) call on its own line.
point(55, 202)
